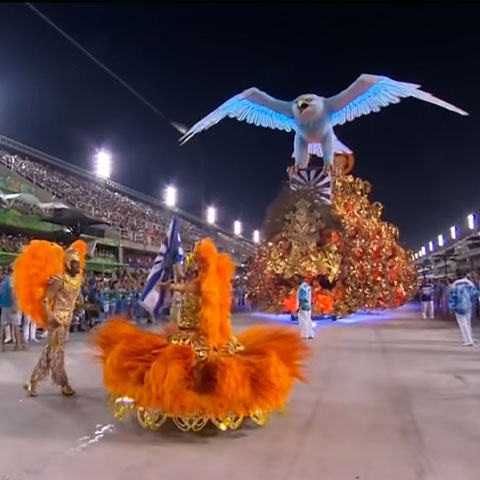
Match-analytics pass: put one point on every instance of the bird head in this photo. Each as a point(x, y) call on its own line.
point(308, 106)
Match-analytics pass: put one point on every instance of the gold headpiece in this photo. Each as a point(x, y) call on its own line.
point(71, 254)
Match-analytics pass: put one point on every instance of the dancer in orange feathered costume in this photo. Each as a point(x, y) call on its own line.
point(197, 370)
point(47, 282)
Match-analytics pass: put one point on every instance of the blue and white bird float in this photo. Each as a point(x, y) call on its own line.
point(312, 118)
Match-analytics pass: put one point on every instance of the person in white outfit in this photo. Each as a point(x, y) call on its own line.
point(427, 291)
point(461, 299)
point(304, 309)
point(29, 329)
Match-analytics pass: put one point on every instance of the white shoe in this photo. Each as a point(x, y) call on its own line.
point(469, 344)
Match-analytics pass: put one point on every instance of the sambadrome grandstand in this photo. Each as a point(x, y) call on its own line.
point(37, 187)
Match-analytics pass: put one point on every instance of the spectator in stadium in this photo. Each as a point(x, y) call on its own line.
point(92, 286)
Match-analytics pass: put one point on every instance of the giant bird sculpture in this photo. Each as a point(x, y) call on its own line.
point(312, 118)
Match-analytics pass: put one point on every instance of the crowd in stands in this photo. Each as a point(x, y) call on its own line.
point(12, 243)
point(139, 260)
point(105, 254)
point(133, 219)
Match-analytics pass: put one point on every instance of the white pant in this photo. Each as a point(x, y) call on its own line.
point(305, 322)
point(465, 324)
point(427, 309)
point(29, 329)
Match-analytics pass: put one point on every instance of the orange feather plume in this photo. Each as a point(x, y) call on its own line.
point(157, 374)
point(39, 261)
point(225, 271)
point(205, 255)
point(81, 247)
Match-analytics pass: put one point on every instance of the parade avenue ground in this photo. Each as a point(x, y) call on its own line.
point(390, 397)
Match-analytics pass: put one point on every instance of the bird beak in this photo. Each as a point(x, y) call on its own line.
point(302, 104)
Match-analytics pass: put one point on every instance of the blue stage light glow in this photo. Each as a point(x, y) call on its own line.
point(319, 321)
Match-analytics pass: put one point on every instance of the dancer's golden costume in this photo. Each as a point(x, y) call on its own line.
point(197, 370)
point(47, 282)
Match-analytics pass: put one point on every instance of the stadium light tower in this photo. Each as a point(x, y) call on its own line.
point(237, 227)
point(441, 240)
point(453, 232)
point(103, 164)
point(256, 236)
point(170, 196)
point(430, 246)
point(472, 221)
point(211, 215)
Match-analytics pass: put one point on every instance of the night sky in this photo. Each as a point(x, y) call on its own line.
point(423, 161)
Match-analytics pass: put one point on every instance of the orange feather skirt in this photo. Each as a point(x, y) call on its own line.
point(160, 375)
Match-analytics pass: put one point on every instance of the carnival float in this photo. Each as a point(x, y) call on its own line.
point(323, 227)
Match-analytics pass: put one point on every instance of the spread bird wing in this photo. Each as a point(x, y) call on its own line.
point(252, 106)
point(369, 93)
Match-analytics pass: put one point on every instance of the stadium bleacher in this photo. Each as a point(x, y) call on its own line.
point(135, 221)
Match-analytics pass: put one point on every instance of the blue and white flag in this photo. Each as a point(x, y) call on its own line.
point(171, 252)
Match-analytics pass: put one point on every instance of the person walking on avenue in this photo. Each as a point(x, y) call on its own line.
point(304, 308)
point(461, 300)
point(426, 298)
point(10, 314)
point(29, 330)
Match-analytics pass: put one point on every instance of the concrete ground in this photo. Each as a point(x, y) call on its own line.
point(390, 397)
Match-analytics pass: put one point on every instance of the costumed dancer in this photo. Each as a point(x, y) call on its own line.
point(197, 370)
point(47, 282)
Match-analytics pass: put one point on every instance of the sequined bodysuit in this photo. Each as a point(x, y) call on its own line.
point(185, 314)
point(63, 292)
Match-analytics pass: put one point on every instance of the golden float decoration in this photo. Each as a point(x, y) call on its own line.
point(124, 407)
point(350, 255)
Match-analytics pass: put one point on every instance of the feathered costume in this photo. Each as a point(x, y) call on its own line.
point(47, 289)
point(197, 370)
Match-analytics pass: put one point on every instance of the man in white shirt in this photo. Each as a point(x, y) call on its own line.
point(304, 308)
point(426, 298)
